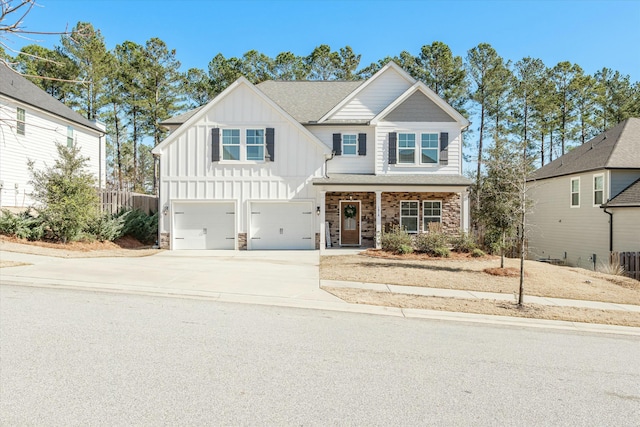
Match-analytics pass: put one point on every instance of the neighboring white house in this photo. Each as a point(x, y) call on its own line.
point(270, 166)
point(587, 202)
point(31, 123)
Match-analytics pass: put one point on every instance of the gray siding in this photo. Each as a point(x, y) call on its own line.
point(621, 179)
point(418, 108)
point(626, 229)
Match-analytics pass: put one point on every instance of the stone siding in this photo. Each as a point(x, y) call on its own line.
point(242, 241)
point(450, 209)
point(367, 216)
point(165, 240)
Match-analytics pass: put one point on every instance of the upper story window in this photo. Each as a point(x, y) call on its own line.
point(230, 144)
point(598, 189)
point(20, 121)
point(428, 151)
point(431, 212)
point(69, 136)
point(349, 145)
point(429, 148)
point(255, 144)
point(409, 216)
point(575, 192)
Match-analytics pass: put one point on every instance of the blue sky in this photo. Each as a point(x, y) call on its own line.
point(591, 33)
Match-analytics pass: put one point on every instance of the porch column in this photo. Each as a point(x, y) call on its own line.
point(464, 211)
point(321, 218)
point(378, 219)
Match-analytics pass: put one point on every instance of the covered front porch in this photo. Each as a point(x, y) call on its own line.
point(356, 209)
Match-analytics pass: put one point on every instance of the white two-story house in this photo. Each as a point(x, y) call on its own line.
point(312, 164)
point(32, 122)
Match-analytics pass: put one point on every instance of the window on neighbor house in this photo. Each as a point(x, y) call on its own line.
point(20, 121)
point(431, 212)
point(598, 189)
point(575, 192)
point(406, 148)
point(231, 144)
point(429, 148)
point(69, 136)
point(255, 144)
point(349, 145)
point(409, 216)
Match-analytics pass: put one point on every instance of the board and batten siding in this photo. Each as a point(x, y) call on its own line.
point(454, 165)
point(189, 174)
point(348, 163)
point(374, 98)
point(556, 228)
point(42, 132)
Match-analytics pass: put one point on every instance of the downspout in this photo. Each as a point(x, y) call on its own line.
point(326, 169)
point(610, 228)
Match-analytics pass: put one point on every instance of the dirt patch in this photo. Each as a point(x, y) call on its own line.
point(503, 272)
point(124, 247)
point(4, 264)
point(467, 273)
point(489, 307)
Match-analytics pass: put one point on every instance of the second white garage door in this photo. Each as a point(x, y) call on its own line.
point(204, 225)
point(281, 225)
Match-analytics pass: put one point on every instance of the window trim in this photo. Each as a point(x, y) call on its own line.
point(417, 216)
point(417, 149)
point(597, 175)
point(354, 145)
point(425, 224)
point(21, 123)
point(398, 147)
point(437, 148)
point(70, 136)
point(242, 144)
point(571, 192)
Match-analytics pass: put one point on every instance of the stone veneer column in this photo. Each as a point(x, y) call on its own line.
point(378, 235)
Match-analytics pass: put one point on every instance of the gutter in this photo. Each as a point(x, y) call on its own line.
point(610, 226)
point(326, 160)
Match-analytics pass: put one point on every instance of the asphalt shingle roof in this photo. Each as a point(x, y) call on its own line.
point(617, 148)
point(13, 85)
point(181, 118)
point(361, 179)
point(628, 197)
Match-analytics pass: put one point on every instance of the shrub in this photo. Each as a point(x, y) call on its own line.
point(431, 242)
point(477, 253)
point(614, 269)
point(22, 225)
point(463, 242)
point(395, 239)
point(107, 227)
point(441, 251)
point(405, 249)
point(141, 226)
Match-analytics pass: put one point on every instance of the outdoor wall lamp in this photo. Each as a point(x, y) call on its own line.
point(318, 210)
point(165, 209)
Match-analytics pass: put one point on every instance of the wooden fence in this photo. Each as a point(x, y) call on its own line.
point(630, 261)
point(113, 201)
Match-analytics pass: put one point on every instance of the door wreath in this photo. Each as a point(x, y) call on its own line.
point(350, 211)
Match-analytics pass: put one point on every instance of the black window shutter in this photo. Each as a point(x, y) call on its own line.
point(337, 144)
point(444, 148)
point(362, 144)
point(270, 144)
point(215, 144)
point(392, 148)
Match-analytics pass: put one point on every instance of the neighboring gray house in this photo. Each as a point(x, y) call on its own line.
point(270, 166)
point(31, 123)
point(587, 202)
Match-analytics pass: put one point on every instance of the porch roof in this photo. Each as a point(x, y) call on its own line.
point(396, 180)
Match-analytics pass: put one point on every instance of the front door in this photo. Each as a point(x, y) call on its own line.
point(350, 222)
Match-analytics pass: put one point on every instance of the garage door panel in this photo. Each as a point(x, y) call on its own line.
point(204, 225)
point(286, 225)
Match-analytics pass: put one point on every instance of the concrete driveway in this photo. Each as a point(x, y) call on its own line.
point(274, 274)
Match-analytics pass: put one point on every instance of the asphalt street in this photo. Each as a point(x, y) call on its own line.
point(83, 358)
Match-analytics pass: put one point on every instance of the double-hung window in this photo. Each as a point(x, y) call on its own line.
point(575, 192)
point(231, 144)
point(406, 148)
point(409, 216)
point(255, 144)
point(349, 145)
point(598, 189)
point(429, 148)
point(20, 121)
point(69, 136)
point(431, 212)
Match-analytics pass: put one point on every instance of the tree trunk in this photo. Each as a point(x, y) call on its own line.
point(502, 249)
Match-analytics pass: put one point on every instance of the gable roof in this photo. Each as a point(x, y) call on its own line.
point(629, 197)
point(420, 87)
point(240, 82)
point(14, 86)
point(181, 118)
point(307, 101)
point(617, 148)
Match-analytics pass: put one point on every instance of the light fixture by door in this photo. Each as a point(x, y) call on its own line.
point(318, 210)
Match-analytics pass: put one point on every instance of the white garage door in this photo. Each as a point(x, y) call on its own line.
point(281, 225)
point(208, 225)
